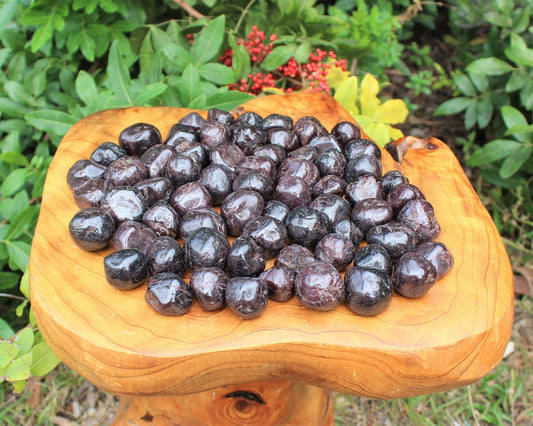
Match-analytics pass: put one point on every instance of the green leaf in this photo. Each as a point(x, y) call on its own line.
point(12, 109)
point(24, 340)
point(346, 94)
point(484, 111)
point(464, 84)
point(279, 56)
point(19, 369)
point(189, 85)
point(217, 73)
point(8, 280)
point(489, 66)
point(11, 206)
point(7, 12)
point(51, 121)
point(302, 52)
point(13, 182)
point(513, 117)
point(19, 254)
point(519, 128)
point(6, 332)
point(227, 100)
point(208, 42)
point(18, 93)
point(148, 92)
point(86, 87)
point(453, 106)
point(516, 82)
point(240, 60)
point(8, 352)
point(118, 75)
point(493, 151)
point(518, 51)
point(14, 158)
point(514, 162)
point(22, 222)
point(470, 119)
point(44, 359)
point(25, 283)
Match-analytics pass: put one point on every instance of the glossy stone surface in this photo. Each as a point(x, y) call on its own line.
point(368, 291)
point(165, 255)
point(363, 188)
point(133, 235)
point(182, 169)
point(155, 159)
point(257, 181)
point(106, 153)
point(319, 286)
point(307, 127)
point(398, 196)
point(371, 212)
point(124, 203)
point(245, 258)
point(92, 228)
point(294, 257)
point(330, 184)
point(269, 233)
point(413, 275)
point(155, 189)
point(206, 247)
point(277, 210)
point(331, 162)
point(125, 269)
point(247, 297)
point(201, 218)
point(335, 249)
point(190, 196)
point(280, 281)
point(357, 147)
point(218, 180)
point(84, 169)
point(373, 256)
point(348, 229)
point(126, 170)
point(168, 294)
point(333, 207)
point(362, 165)
point(208, 285)
point(419, 215)
point(306, 226)
point(438, 255)
point(138, 137)
point(89, 192)
point(391, 179)
point(239, 208)
point(397, 239)
point(345, 131)
point(162, 219)
point(293, 192)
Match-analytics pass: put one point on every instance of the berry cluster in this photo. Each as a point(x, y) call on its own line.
point(291, 76)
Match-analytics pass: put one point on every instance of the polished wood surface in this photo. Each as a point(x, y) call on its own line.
point(449, 338)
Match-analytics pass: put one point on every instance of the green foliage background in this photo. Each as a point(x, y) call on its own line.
point(62, 60)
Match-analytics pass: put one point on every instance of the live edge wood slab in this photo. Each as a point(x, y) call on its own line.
point(449, 338)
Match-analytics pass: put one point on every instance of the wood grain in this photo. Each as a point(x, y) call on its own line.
point(277, 402)
point(449, 338)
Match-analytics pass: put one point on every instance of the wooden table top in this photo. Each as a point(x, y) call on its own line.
point(449, 338)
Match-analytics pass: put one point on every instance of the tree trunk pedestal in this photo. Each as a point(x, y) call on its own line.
point(257, 403)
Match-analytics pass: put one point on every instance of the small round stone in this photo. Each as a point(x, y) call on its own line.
point(413, 275)
point(373, 256)
point(391, 179)
point(245, 258)
point(397, 239)
point(201, 218)
point(306, 226)
point(83, 169)
point(362, 165)
point(420, 217)
point(293, 191)
point(89, 192)
point(155, 189)
point(277, 210)
point(348, 229)
point(269, 233)
point(168, 294)
point(329, 184)
point(133, 235)
point(371, 212)
point(333, 207)
point(206, 247)
point(438, 255)
point(336, 250)
point(280, 281)
point(165, 255)
point(208, 285)
point(125, 269)
point(218, 180)
point(295, 257)
point(368, 291)
point(247, 297)
point(155, 159)
point(190, 196)
point(124, 203)
point(239, 208)
point(137, 138)
point(125, 171)
point(106, 153)
point(345, 131)
point(92, 228)
point(319, 286)
point(162, 219)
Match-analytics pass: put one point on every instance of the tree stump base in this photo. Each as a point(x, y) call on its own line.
point(257, 403)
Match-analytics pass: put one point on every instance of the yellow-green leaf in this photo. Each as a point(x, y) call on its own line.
point(369, 91)
point(393, 111)
point(394, 133)
point(336, 76)
point(346, 93)
point(378, 132)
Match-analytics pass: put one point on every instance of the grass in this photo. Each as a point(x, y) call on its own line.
point(502, 397)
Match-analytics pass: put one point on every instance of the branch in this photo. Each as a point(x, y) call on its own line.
point(189, 9)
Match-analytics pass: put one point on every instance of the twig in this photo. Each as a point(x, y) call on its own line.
point(471, 401)
point(189, 9)
point(12, 296)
